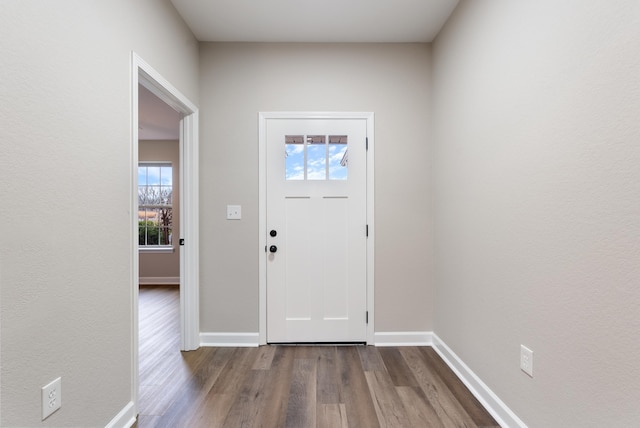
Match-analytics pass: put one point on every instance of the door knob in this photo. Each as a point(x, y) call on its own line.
point(273, 248)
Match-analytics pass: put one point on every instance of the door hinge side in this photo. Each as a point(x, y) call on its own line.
point(366, 317)
point(367, 231)
point(366, 143)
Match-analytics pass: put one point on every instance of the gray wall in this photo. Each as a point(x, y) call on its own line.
point(163, 265)
point(239, 80)
point(537, 204)
point(531, 170)
point(66, 278)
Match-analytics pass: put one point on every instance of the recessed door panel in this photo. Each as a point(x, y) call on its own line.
point(335, 282)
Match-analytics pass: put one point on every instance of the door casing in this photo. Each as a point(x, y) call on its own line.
point(263, 117)
point(143, 74)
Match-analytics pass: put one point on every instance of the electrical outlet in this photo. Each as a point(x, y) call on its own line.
point(234, 212)
point(526, 360)
point(51, 398)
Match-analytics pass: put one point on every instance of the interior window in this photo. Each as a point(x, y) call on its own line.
point(155, 212)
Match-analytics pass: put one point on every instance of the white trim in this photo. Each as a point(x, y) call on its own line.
point(190, 231)
point(262, 206)
point(125, 418)
point(146, 76)
point(494, 405)
point(143, 74)
point(159, 280)
point(229, 339)
point(156, 250)
point(403, 338)
point(262, 228)
point(135, 265)
point(371, 229)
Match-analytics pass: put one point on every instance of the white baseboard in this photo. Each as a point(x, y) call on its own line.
point(159, 280)
point(230, 339)
point(125, 418)
point(496, 407)
point(403, 338)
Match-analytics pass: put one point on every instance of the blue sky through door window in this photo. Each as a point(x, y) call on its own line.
point(316, 157)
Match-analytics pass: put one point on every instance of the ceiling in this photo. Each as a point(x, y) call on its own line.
point(156, 120)
point(310, 21)
point(358, 21)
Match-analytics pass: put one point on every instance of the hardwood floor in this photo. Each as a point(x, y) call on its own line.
point(291, 386)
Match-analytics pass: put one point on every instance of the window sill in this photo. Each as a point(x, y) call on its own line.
point(156, 250)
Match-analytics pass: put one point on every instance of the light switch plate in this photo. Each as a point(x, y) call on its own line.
point(234, 212)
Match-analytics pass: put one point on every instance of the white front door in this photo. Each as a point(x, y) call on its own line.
point(316, 209)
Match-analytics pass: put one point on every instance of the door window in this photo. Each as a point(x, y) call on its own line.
point(316, 157)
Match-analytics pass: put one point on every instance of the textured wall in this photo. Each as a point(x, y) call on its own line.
point(65, 174)
point(240, 80)
point(537, 207)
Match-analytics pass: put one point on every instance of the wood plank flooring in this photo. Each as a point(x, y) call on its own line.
point(291, 386)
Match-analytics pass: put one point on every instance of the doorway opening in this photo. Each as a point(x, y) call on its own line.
point(145, 78)
point(159, 177)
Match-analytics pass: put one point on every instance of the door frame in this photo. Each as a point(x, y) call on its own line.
point(263, 117)
point(143, 74)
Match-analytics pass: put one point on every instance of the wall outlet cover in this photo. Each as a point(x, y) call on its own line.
point(234, 212)
point(526, 360)
point(51, 398)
